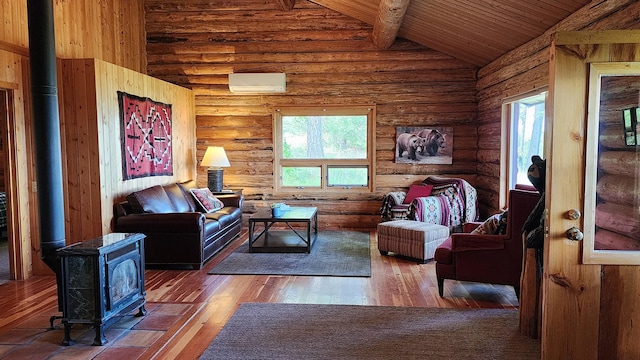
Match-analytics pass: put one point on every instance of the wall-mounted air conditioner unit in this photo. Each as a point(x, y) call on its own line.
point(257, 82)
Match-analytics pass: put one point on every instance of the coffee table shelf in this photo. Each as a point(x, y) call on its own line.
point(291, 239)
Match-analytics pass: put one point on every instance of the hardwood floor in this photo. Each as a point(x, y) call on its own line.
point(186, 309)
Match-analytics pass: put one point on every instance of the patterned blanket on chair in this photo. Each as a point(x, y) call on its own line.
point(456, 202)
point(452, 202)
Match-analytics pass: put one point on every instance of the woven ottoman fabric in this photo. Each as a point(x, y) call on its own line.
point(413, 239)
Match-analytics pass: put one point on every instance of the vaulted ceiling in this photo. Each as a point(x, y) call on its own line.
point(476, 31)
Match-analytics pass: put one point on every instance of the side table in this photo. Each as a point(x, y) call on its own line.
point(228, 192)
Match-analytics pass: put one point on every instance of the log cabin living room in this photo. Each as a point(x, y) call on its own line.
point(476, 71)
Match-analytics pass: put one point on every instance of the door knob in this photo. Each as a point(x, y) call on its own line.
point(573, 214)
point(574, 234)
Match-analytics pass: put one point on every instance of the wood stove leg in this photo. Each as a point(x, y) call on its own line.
point(67, 334)
point(52, 319)
point(100, 338)
point(141, 312)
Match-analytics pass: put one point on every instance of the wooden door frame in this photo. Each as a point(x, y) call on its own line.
point(17, 267)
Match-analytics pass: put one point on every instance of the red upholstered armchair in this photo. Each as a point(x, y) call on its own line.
point(493, 259)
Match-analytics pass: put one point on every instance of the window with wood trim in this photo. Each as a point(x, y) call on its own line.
point(523, 123)
point(324, 148)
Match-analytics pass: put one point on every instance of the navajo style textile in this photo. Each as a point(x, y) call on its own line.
point(146, 137)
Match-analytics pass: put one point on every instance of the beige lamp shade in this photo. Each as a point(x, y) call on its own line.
point(215, 157)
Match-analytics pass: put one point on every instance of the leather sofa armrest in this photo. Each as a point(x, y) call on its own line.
point(232, 200)
point(473, 242)
point(161, 223)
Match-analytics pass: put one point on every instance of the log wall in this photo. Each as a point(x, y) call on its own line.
point(328, 58)
point(109, 30)
point(524, 69)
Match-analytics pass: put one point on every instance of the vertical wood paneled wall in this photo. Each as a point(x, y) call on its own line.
point(329, 59)
point(93, 143)
point(109, 30)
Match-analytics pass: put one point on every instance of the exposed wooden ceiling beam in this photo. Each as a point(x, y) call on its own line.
point(286, 4)
point(388, 21)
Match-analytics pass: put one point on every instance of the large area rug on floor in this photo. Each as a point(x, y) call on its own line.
point(334, 253)
point(302, 331)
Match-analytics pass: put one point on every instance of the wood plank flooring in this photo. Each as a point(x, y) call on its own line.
point(186, 308)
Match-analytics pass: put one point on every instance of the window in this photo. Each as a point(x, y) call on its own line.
point(324, 148)
point(523, 137)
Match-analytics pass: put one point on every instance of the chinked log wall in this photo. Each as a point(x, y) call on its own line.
point(329, 59)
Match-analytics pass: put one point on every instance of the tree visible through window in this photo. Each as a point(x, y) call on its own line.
point(523, 127)
point(323, 148)
point(527, 135)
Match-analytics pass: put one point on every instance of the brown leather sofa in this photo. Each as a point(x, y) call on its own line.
point(178, 231)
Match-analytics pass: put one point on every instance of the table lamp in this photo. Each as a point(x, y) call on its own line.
point(215, 158)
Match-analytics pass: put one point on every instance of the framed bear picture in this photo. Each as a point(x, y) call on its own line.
point(424, 145)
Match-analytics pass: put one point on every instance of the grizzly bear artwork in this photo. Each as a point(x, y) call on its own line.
point(434, 141)
point(411, 144)
point(424, 145)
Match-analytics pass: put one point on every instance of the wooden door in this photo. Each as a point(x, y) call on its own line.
point(588, 310)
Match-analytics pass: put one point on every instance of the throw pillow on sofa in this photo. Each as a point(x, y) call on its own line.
point(416, 191)
point(207, 201)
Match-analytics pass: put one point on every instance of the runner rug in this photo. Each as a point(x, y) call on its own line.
point(303, 331)
point(334, 253)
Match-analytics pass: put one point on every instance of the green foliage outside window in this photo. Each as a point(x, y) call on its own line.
point(324, 137)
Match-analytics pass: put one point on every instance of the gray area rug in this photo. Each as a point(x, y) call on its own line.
point(301, 331)
point(334, 253)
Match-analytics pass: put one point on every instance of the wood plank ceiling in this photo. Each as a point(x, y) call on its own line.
point(476, 31)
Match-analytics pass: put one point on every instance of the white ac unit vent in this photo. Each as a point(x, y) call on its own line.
point(257, 83)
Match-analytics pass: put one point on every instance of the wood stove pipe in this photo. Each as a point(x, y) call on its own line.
point(46, 126)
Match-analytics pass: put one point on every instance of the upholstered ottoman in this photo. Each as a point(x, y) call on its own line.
point(412, 239)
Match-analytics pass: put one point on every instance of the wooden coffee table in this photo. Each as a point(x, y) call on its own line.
point(290, 238)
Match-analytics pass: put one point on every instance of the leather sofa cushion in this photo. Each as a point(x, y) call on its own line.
point(222, 215)
point(186, 186)
point(151, 200)
point(178, 199)
point(211, 227)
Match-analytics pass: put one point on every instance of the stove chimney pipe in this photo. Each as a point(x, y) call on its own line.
point(46, 125)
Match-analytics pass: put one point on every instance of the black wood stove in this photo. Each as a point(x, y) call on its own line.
point(97, 279)
point(101, 279)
